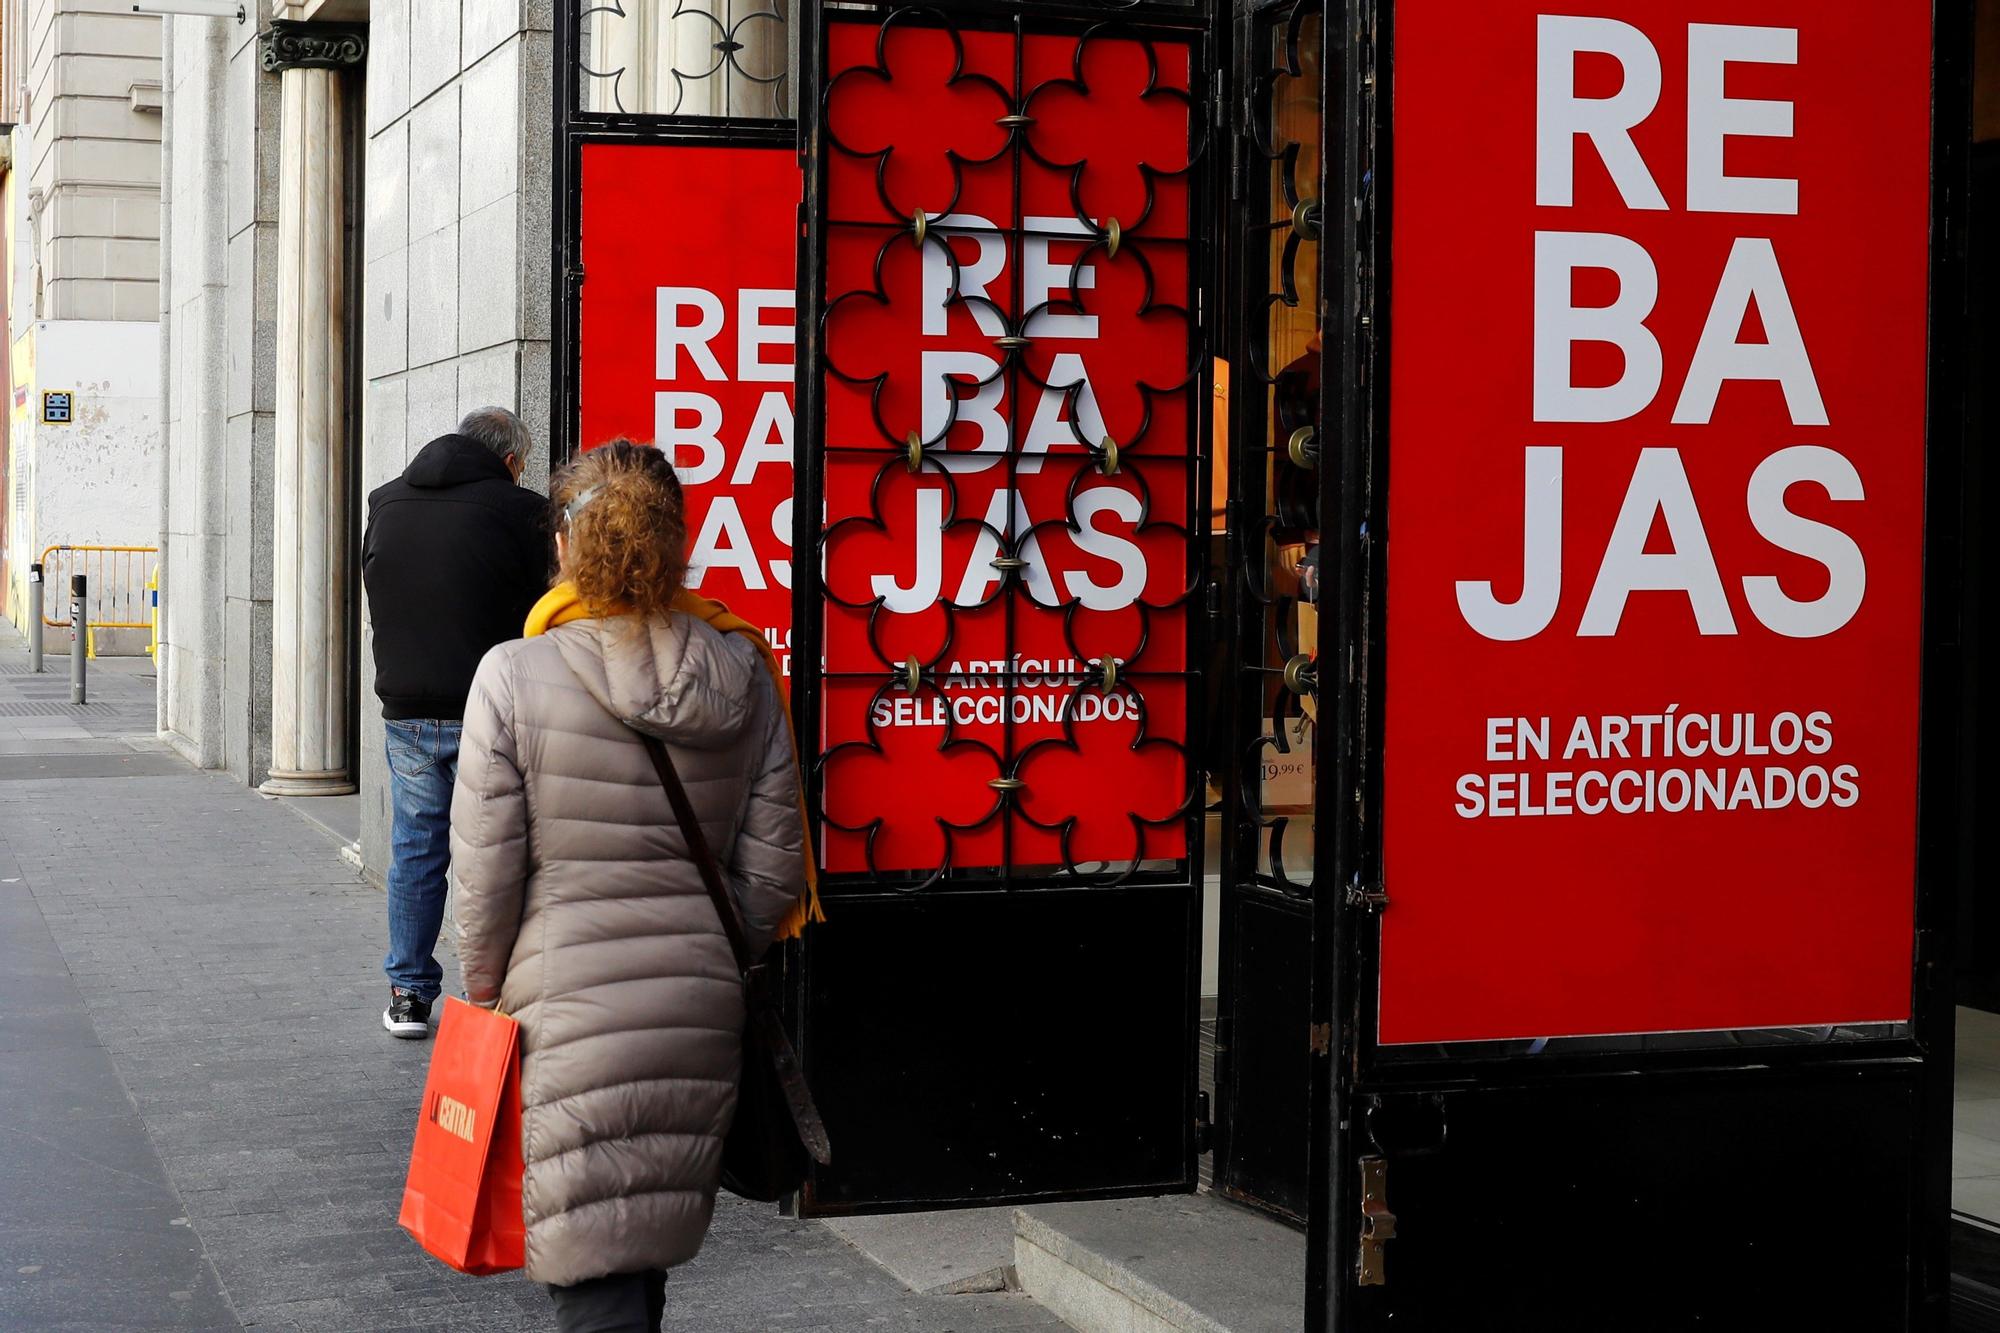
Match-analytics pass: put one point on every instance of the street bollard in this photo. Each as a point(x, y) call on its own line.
point(35, 609)
point(153, 599)
point(79, 628)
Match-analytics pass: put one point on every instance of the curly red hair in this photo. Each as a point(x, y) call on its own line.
point(619, 506)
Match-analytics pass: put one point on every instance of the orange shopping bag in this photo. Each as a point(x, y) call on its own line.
point(462, 1200)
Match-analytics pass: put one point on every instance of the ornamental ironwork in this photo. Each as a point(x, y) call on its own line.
point(728, 59)
point(1277, 458)
point(292, 44)
point(1009, 451)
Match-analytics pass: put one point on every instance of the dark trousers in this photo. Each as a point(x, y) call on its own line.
point(621, 1303)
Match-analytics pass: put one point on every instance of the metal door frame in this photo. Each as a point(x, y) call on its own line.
point(573, 128)
point(1193, 19)
point(1351, 1074)
point(1249, 237)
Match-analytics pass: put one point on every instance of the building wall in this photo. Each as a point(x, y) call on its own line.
point(94, 164)
point(453, 314)
point(16, 534)
point(95, 480)
point(456, 283)
point(219, 283)
point(83, 184)
point(13, 66)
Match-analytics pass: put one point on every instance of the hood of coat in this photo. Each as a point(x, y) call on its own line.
point(454, 460)
point(671, 676)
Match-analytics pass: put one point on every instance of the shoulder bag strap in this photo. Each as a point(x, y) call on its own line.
point(767, 1027)
point(698, 848)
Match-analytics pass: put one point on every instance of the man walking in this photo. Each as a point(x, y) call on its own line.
point(455, 555)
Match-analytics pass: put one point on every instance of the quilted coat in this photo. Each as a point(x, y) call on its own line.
point(581, 914)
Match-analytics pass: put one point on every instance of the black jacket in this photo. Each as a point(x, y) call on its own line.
point(454, 557)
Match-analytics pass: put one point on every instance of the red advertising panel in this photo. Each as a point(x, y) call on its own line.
point(689, 309)
point(1008, 450)
point(1656, 451)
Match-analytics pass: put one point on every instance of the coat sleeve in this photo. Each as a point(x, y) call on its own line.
point(489, 831)
point(769, 859)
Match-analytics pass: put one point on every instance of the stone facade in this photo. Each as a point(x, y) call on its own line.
point(456, 258)
point(220, 213)
point(94, 161)
point(450, 311)
point(81, 163)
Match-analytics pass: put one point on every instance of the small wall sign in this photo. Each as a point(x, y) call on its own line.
point(57, 406)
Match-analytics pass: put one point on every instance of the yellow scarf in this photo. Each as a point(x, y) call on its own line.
point(561, 604)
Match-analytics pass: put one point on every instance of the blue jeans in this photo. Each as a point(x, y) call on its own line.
point(423, 765)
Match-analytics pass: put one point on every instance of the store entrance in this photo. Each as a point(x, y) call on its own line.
point(1001, 515)
point(1270, 462)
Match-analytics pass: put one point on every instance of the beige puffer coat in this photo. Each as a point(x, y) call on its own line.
point(580, 912)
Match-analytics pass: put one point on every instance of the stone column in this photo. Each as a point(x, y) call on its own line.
point(313, 567)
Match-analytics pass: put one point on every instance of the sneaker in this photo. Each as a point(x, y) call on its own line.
point(407, 1016)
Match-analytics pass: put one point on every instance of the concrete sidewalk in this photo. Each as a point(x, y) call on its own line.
point(202, 1123)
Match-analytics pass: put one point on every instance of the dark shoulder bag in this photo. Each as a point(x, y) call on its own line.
point(777, 1127)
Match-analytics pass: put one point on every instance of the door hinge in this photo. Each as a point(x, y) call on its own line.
point(1204, 1124)
point(1320, 1037)
point(1378, 1224)
point(1365, 897)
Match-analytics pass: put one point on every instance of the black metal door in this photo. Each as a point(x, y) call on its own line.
point(1277, 499)
point(1736, 1179)
point(1003, 493)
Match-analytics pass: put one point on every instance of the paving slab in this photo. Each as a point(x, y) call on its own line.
point(339, 817)
point(20, 768)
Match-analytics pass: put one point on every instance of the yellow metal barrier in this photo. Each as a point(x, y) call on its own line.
point(118, 578)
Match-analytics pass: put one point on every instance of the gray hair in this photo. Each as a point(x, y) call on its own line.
point(499, 430)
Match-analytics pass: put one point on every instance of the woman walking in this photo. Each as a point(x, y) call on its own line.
point(580, 913)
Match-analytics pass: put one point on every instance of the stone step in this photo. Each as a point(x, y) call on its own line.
point(1178, 1264)
point(965, 1251)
